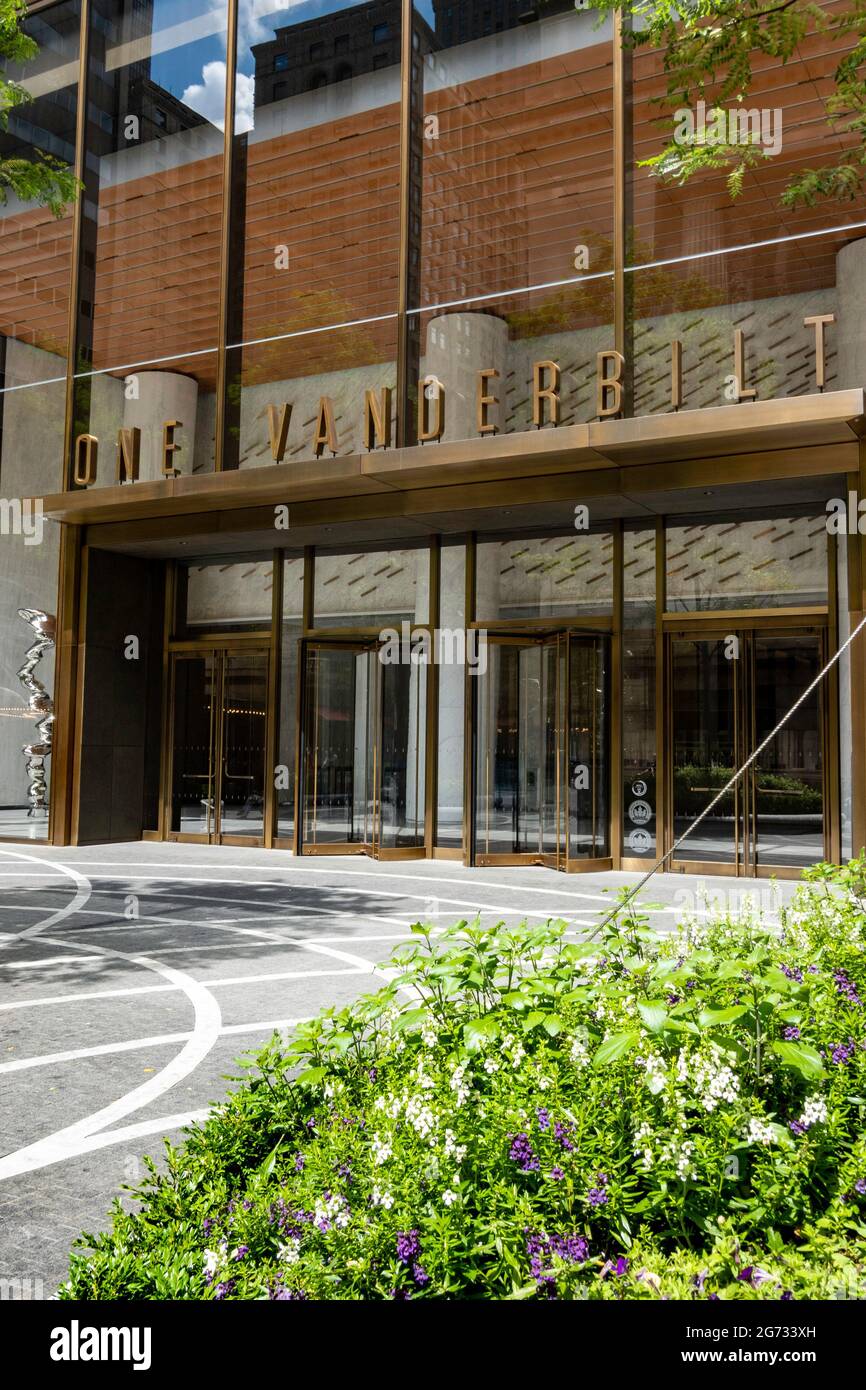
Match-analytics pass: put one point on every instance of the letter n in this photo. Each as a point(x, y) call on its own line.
point(128, 454)
point(377, 418)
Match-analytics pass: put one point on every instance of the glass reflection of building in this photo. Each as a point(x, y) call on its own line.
point(331, 227)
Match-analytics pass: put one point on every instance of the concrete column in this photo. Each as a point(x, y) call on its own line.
point(851, 314)
point(417, 741)
point(451, 699)
point(851, 346)
point(459, 346)
point(162, 396)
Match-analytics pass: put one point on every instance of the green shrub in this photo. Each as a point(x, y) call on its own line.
point(520, 1113)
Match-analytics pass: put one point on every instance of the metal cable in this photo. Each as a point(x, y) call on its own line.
point(629, 897)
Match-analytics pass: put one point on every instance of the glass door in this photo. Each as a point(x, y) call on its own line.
point(705, 739)
point(541, 751)
point(786, 786)
point(218, 746)
point(727, 693)
point(363, 756)
point(242, 747)
point(194, 704)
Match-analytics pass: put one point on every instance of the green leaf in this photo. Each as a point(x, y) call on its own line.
point(803, 1059)
point(478, 1031)
point(312, 1076)
point(615, 1047)
point(712, 1018)
point(655, 1016)
point(552, 1024)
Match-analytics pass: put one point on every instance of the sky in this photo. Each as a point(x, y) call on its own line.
point(195, 71)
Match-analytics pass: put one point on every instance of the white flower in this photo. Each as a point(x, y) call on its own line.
point(449, 1197)
point(490, 1066)
point(458, 1085)
point(211, 1263)
point(420, 1116)
point(331, 1210)
point(452, 1148)
point(814, 1112)
point(580, 1048)
point(429, 1036)
point(656, 1073)
point(760, 1132)
point(642, 1147)
point(289, 1251)
point(381, 1150)
point(382, 1199)
point(544, 1083)
point(714, 1080)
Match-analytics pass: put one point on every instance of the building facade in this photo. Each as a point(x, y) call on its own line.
point(402, 469)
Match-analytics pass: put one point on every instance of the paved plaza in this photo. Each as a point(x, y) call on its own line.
point(132, 976)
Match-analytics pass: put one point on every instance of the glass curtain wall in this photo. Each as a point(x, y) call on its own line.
point(705, 265)
point(315, 228)
point(150, 269)
point(511, 206)
point(35, 272)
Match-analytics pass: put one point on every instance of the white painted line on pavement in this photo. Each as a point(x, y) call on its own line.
point(80, 996)
point(47, 1059)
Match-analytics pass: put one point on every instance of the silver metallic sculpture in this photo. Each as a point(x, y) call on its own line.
point(40, 703)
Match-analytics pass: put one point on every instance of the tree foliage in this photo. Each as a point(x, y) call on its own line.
point(44, 180)
point(709, 51)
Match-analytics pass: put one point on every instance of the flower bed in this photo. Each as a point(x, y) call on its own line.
point(521, 1113)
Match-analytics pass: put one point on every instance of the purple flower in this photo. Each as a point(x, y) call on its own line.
point(420, 1275)
point(621, 1266)
point(225, 1288)
point(812, 969)
point(542, 1249)
point(860, 1186)
point(673, 999)
point(521, 1153)
point(543, 1119)
point(372, 1073)
point(401, 1295)
point(206, 1225)
point(345, 1171)
point(846, 988)
point(247, 1205)
point(556, 1173)
point(408, 1246)
point(597, 1196)
point(562, 1134)
point(796, 1128)
point(299, 1162)
point(240, 1252)
point(279, 1293)
point(792, 1033)
point(793, 972)
point(842, 1052)
point(787, 1296)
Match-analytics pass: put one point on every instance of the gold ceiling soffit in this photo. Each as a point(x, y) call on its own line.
point(789, 426)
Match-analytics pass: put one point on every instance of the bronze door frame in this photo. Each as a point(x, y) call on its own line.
point(219, 651)
point(712, 628)
point(543, 636)
point(371, 843)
